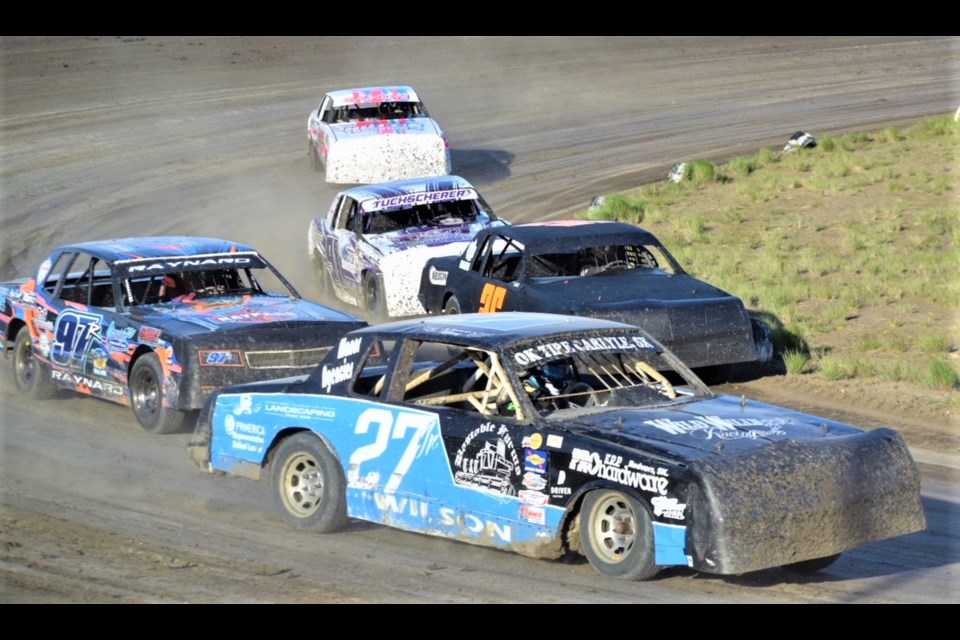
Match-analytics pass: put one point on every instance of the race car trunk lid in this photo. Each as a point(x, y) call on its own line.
point(801, 500)
point(380, 155)
point(252, 353)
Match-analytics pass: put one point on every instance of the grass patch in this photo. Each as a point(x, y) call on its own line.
point(848, 244)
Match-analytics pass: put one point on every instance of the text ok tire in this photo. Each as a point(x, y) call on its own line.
point(146, 397)
point(33, 380)
point(617, 534)
point(307, 484)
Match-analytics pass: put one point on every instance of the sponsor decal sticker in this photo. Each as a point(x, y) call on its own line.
point(709, 427)
point(488, 459)
point(668, 507)
point(584, 345)
point(534, 514)
point(533, 441)
point(537, 498)
point(610, 467)
point(534, 460)
point(437, 276)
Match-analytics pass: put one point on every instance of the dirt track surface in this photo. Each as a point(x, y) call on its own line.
point(110, 136)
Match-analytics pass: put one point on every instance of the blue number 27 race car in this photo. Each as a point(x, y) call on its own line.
point(551, 435)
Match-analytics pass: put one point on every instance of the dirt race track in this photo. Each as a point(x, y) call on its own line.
point(128, 135)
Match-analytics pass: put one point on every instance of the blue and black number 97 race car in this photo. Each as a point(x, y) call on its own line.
point(554, 435)
point(157, 323)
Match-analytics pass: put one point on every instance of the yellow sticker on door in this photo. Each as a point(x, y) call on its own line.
point(491, 298)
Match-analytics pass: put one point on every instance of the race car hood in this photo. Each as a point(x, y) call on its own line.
point(769, 486)
point(720, 425)
point(701, 324)
point(233, 312)
point(371, 128)
point(629, 289)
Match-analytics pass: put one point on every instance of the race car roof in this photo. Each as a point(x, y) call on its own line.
point(495, 330)
point(384, 195)
point(373, 95)
point(576, 231)
point(149, 247)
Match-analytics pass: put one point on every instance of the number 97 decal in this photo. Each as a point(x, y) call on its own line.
point(491, 298)
point(72, 335)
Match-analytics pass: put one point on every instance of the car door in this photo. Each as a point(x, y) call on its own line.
point(320, 125)
point(479, 493)
point(80, 318)
point(341, 251)
point(489, 283)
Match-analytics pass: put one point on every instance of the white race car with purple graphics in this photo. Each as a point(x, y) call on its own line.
point(370, 248)
point(375, 134)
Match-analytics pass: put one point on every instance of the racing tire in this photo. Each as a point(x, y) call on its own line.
point(762, 339)
point(617, 535)
point(315, 163)
point(146, 397)
point(32, 378)
point(812, 566)
point(307, 484)
point(451, 306)
point(324, 287)
point(374, 297)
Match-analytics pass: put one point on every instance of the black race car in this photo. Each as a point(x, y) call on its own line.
point(157, 323)
point(609, 270)
point(551, 435)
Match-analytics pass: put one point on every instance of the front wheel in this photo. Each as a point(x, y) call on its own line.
point(320, 273)
point(32, 379)
point(617, 535)
point(762, 339)
point(374, 297)
point(307, 484)
point(146, 397)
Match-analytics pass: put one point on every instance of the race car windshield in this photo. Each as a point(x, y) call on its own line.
point(381, 111)
point(435, 214)
point(595, 260)
point(603, 379)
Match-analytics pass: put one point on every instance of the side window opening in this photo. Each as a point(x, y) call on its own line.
point(465, 378)
point(57, 277)
point(371, 381)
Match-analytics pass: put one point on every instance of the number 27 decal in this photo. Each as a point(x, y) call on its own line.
point(491, 298)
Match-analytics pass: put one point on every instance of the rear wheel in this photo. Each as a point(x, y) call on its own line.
point(146, 397)
point(307, 484)
point(33, 380)
point(452, 305)
point(617, 534)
